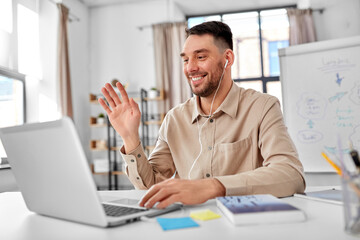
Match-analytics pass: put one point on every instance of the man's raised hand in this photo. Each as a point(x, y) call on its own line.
point(124, 115)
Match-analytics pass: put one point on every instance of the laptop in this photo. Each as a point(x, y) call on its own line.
point(55, 180)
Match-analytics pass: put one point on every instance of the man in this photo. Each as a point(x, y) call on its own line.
point(224, 141)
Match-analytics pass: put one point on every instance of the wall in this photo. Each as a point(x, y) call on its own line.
point(79, 50)
point(340, 18)
point(119, 49)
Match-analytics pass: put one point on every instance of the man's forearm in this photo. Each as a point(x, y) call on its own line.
point(216, 188)
point(131, 143)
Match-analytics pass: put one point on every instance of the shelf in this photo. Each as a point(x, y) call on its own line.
point(158, 98)
point(115, 148)
point(105, 173)
point(156, 122)
point(96, 125)
point(98, 149)
point(98, 145)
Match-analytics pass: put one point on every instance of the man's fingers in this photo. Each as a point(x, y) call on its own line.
point(104, 106)
point(134, 105)
point(168, 201)
point(123, 92)
point(108, 97)
point(113, 94)
point(157, 198)
point(152, 191)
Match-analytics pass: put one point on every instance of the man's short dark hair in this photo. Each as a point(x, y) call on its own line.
point(220, 31)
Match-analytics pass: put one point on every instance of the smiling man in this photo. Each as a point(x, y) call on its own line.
point(223, 141)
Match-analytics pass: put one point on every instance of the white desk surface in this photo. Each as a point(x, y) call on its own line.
point(324, 221)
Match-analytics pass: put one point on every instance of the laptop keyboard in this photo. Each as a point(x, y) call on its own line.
point(117, 211)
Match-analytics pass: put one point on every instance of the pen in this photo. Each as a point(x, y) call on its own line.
point(355, 156)
point(336, 167)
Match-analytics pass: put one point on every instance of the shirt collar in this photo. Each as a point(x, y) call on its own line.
point(228, 106)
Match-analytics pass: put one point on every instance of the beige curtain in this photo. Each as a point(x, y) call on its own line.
point(168, 43)
point(63, 64)
point(302, 28)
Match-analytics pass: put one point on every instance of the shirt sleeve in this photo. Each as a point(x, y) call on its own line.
point(144, 172)
point(281, 172)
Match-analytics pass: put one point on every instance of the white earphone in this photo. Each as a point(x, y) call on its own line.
point(197, 121)
point(226, 63)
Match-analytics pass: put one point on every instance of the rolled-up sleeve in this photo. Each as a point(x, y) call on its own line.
point(144, 172)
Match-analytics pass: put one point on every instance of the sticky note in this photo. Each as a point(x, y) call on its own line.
point(204, 215)
point(176, 223)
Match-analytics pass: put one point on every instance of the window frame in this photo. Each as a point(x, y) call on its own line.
point(20, 77)
point(262, 78)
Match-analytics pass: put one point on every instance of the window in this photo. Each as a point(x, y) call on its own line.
point(19, 55)
point(12, 101)
point(257, 36)
point(6, 30)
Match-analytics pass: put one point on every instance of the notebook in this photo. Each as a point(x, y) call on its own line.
point(54, 177)
point(258, 209)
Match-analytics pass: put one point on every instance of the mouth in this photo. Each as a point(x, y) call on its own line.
point(197, 78)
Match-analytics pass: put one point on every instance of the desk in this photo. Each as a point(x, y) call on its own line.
point(324, 221)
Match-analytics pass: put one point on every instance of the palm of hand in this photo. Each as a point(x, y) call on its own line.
point(125, 119)
point(124, 114)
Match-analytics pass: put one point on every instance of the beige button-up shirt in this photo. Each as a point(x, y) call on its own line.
point(245, 145)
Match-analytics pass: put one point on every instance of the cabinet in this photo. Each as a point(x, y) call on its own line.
point(104, 145)
point(151, 118)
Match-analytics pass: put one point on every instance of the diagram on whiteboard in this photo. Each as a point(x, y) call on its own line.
point(311, 107)
point(321, 97)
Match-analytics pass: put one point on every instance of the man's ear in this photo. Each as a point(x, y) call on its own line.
point(230, 56)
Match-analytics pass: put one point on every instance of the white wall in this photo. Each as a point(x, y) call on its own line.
point(79, 50)
point(119, 49)
point(340, 19)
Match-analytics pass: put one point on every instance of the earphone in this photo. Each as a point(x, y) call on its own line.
point(226, 63)
point(211, 114)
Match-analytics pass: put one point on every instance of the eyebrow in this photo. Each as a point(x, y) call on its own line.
point(196, 51)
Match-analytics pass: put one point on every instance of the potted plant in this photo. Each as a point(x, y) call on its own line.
point(153, 92)
point(101, 118)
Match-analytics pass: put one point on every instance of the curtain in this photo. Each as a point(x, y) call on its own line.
point(302, 27)
point(168, 42)
point(63, 72)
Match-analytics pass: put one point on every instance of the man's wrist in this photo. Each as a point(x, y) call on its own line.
point(217, 189)
point(131, 144)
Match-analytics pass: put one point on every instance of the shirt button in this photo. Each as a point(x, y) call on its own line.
point(211, 120)
point(137, 178)
point(139, 155)
point(210, 148)
point(207, 175)
point(132, 160)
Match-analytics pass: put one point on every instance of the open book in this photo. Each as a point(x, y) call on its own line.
point(258, 209)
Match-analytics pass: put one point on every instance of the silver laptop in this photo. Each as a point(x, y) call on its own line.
point(54, 177)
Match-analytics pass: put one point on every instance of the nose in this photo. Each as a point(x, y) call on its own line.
point(192, 66)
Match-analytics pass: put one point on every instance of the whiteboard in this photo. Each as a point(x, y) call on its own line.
point(321, 100)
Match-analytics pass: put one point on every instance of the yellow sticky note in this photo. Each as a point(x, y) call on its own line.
point(204, 215)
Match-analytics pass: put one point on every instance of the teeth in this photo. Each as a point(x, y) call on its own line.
point(196, 79)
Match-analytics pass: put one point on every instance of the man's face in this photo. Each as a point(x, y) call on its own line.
point(202, 64)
